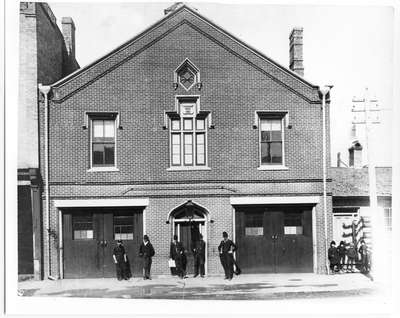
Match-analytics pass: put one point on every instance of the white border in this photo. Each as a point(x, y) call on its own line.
point(275, 200)
point(100, 203)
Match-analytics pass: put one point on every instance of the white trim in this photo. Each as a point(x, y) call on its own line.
point(103, 169)
point(24, 182)
point(60, 244)
point(272, 167)
point(187, 168)
point(100, 202)
point(275, 200)
point(207, 213)
point(314, 240)
point(144, 222)
point(189, 220)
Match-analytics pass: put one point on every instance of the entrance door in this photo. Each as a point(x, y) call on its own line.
point(89, 236)
point(188, 233)
point(271, 240)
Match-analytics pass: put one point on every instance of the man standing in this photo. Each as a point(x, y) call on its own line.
point(226, 249)
point(199, 253)
point(177, 253)
point(120, 260)
point(146, 251)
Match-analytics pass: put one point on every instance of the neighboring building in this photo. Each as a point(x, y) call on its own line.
point(350, 197)
point(185, 129)
point(45, 56)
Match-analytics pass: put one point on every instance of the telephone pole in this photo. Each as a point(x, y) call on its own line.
point(366, 112)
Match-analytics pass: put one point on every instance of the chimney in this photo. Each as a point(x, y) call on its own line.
point(68, 30)
point(296, 51)
point(355, 155)
point(172, 8)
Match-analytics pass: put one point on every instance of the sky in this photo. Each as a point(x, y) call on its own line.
point(350, 47)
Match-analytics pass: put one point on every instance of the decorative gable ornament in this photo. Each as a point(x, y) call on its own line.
point(187, 75)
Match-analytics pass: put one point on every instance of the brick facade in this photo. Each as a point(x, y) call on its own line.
point(42, 59)
point(136, 80)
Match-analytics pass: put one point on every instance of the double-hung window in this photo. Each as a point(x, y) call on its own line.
point(188, 138)
point(271, 141)
point(102, 141)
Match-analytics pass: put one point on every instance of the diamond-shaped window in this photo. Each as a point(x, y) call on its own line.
point(187, 74)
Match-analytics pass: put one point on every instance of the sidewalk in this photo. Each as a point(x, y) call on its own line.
point(247, 287)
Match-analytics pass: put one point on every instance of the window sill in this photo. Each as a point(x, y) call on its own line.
point(187, 168)
point(277, 167)
point(103, 169)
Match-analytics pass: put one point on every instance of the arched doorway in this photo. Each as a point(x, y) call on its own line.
point(189, 221)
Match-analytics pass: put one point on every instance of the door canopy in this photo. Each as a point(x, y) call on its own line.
point(189, 210)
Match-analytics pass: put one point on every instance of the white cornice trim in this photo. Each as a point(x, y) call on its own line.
point(275, 200)
point(100, 203)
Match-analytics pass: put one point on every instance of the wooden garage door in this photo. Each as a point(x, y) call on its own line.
point(274, 239)
point(89, 236)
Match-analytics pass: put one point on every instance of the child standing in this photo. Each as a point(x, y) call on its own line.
point(351, 257)
point(333, 257)
point(342, 255)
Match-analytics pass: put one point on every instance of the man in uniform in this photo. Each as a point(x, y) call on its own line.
point(177, 253)
point(199, 253)
point(146, 251)
point(120, 261)
point(226, 249)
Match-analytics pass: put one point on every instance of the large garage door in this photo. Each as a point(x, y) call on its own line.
point(89, 236)
point(274, 239)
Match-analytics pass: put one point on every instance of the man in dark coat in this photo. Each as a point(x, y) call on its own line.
point(199, 254)
point(177, 253)
point(226, 249)
point(146, 251)
point(333, 256)
point(120, 260)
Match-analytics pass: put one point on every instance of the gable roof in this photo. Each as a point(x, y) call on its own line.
point(354, 182)
point(184, 15)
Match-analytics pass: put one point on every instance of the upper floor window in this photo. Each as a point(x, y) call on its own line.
point(103, 139)
point(188, 141)
point(271, 141)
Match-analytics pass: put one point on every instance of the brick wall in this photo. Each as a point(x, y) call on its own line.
point(236, 83)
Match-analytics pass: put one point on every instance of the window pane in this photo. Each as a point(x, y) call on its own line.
point(82, 226)
point(276, 135)
point(276, 124)
point(265, 125)
point(98, 154)
point(176, 159)
point(109, 154)
point(98, 130)
point(200, 125)
point(188, 149)
point(265, 136)
point(276, 152)
point(175, 124)
point(109, 129)
point(188, 124)
point(265, 153)
point(176, 149)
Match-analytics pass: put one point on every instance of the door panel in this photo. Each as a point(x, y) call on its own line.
point(275, 250)
point(188, 235)
point(92, 257)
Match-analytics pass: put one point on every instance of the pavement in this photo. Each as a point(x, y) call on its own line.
point(242, 287)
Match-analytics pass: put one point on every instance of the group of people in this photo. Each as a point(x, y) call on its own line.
point(345, 257)
point(122, 265)
point(178, 258)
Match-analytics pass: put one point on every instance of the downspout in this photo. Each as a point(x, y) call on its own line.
point(44, 89)
point(324, 91)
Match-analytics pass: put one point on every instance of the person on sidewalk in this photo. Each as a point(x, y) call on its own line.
point(120, 260)
point(177, 253)
point(333, 256)
point(226, 249)
point(351, 257)
point(146, 251)
point(363, 250)
point(199, 254)
point(342, 255)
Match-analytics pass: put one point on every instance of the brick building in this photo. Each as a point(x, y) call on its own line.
point(184, 129)
point(45, 55)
